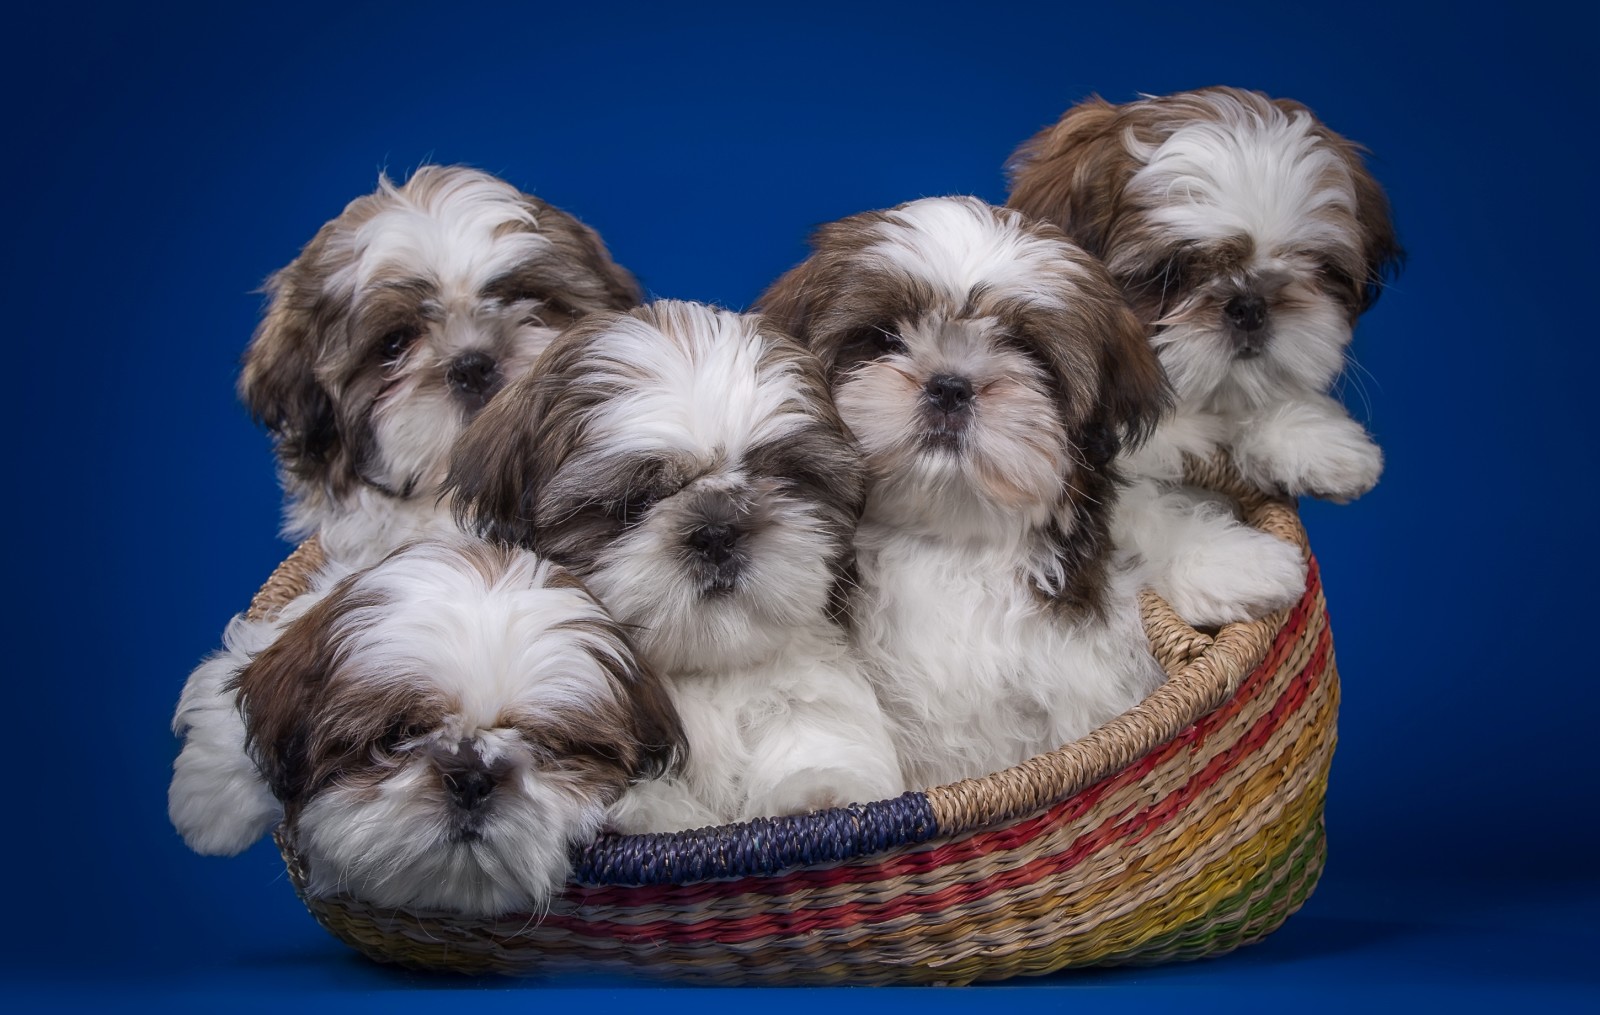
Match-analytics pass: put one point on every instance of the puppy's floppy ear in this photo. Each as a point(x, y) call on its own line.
point(278, 693)
point(654, 721)
point(1134, 392)
point(821, 295)
point(603, 284)
point(1097, 334)
point(786, 304)
point(835, 476)
point(1073, 173)
point(644, 733)
point(1380, 247)
point(493, 474)
point(278, 383)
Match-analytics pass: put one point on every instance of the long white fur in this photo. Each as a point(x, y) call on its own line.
point(778, 715)
point(218, 800)
point(974, 672)
point(974, 675)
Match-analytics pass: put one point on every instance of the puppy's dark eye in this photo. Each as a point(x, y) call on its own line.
point(557, 305)
point(1166, 277)
point(1335, 276)
point(399, 733)
point(552, 310)
point(634, 506)
point(888, 341)
point(395, 343)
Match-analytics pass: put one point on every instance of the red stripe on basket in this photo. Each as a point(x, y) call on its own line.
point(1124, 825)
point(771, 923)
point(1130, 824)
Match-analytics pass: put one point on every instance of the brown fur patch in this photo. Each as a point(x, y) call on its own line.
point(283, 693)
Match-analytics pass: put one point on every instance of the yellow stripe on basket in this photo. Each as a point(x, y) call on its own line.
point(1092, 913)
point(1190, 902)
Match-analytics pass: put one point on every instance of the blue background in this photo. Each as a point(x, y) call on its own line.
point(162, 162)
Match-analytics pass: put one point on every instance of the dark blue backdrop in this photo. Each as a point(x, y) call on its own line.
point(161, 163)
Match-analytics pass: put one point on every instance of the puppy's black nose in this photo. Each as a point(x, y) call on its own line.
point(715, 542)
point(468, 787)
point(1247, 312)
point(473, 373)
point(948, 392)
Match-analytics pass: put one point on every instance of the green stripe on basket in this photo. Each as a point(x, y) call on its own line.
point(1256, 910)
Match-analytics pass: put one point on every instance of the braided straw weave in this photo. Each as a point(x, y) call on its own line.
point(1186, 827)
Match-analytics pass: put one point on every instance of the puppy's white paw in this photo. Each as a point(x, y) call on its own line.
point(1244, 574)
point(812, 789)
point(217, 802)
point(1305, 450)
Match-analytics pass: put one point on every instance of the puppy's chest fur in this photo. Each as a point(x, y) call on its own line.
point(975, 671)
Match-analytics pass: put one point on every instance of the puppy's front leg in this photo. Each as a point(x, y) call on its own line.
point(1209, 566)
point(218, 800)
point(1309, 445)
point(826, 751)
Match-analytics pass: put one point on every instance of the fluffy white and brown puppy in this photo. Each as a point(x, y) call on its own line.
point(439, 729)
point(1249, 238)
point(689, 465)
point(992, 372)
point(394, 326)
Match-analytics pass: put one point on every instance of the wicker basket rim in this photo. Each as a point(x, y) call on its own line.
point(1203, 672)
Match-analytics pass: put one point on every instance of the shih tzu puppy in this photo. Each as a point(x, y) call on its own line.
point(1249, 238)
point(394, 326)
point(439, 729)
point(688, 464)
point(992, 372)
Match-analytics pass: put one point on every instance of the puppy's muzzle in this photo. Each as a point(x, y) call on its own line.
point(948, 393)
point(716, 552)
point(474, 377)
point(947, 401)
point(715, 542)
point(1246, 315)
point(469, 783)
point(716, 537)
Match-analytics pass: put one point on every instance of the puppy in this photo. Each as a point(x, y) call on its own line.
point(394, 326)
point(439, 730)
point(992, 372)
point(689, 465)
point(1249, 238)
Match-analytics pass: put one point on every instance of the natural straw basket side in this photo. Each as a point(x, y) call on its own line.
point(1186, 827)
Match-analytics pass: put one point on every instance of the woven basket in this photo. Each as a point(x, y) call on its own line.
point(1184, 828)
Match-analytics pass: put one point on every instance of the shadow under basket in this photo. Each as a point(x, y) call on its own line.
point(1184, 828)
